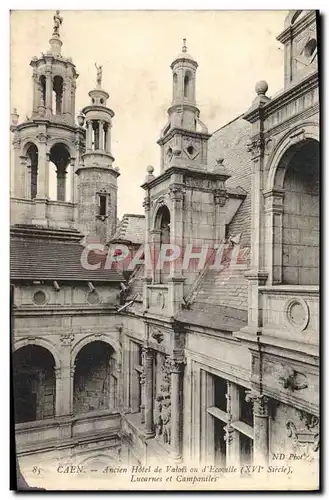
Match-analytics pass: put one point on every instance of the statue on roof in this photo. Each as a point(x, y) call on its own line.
point(99, 74)
point(57, 22)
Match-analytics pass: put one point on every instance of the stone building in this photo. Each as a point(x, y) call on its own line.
point(212, 357)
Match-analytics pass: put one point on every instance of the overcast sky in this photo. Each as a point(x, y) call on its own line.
point(233, 49)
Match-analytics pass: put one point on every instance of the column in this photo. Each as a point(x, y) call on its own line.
point(49, 90)
point(176, 193)
point(147, 251)
point(108, 140)
point(89, 135)
point(43, 167)
point(101, 134)
point(273, 234)
point(261, 435)
point(232, 436)
point(155, 251)
point(36, 93)
point(142, 383)
point(176, 368)
point(148, 367)
point(58, 392)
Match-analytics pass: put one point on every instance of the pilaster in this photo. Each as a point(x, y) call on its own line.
point(149, 403)
point(261, 426)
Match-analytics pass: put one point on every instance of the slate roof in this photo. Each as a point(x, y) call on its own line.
point(131, 229)
point(33, 258)
point(230, 142)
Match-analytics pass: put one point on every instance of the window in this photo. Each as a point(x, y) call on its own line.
point(186, 84)
point(232, 419)
point(102, 205)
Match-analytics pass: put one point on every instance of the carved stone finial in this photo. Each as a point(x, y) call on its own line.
point(261, 87)
point(14, 117)
point(99, 75)
point(149, 176)
point(184, 48)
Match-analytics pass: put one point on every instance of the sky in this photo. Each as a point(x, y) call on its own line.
point(234, 50)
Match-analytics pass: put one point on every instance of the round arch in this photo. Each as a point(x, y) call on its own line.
point(160, 206)
point(277, 163)
point(46, 344)
point(94, 338)
point(28, 142)
point(61, 141)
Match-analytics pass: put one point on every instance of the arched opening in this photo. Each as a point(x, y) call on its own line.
point(59, 161)
point(57, 96)
point(300, 232)
point(95, 135)
point(187, 79)
point(42, 83)
point(34, 384)
point(32, 154)
point(162, 223)
point(95, 378)
point(174, 85)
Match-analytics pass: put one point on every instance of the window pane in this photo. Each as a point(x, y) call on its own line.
point(220, 388)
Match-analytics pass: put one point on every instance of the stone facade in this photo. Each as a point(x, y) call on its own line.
point(192, 365)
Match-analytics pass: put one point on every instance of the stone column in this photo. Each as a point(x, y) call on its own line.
point(261, 434)
point(88, 135)
point(36, 93)
point(108, 141)
point(176, 368)
point(43, 167)
point(67, 376)
point(232, 436)
point(155, 251)
point(273, 234)
point(142, 384)
point(148, 368)
point(58, 392)
point(49, 91)
point(176, 193)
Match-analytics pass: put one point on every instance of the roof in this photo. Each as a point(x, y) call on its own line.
point(230, 142)
point(34, 258)
point(131, 229)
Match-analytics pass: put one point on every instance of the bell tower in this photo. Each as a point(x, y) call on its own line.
point(184, 139)
point(185, 204)
point(97, 177)
point(48, 135)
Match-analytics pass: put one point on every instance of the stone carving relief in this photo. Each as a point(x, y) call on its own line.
point(297, 313)
point(305, 436)
point(67, 340)
point(191, 148)
point(162, 406)
point(42, 138)
point(293, 380)
point(157, 334)
point(176, 192)
point(255, 147)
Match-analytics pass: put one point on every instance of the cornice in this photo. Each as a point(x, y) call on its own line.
point(35, 122)
point(278, 102)
point(188, 133)
point(201, 174)
point(294, 29)
point(292, 93)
